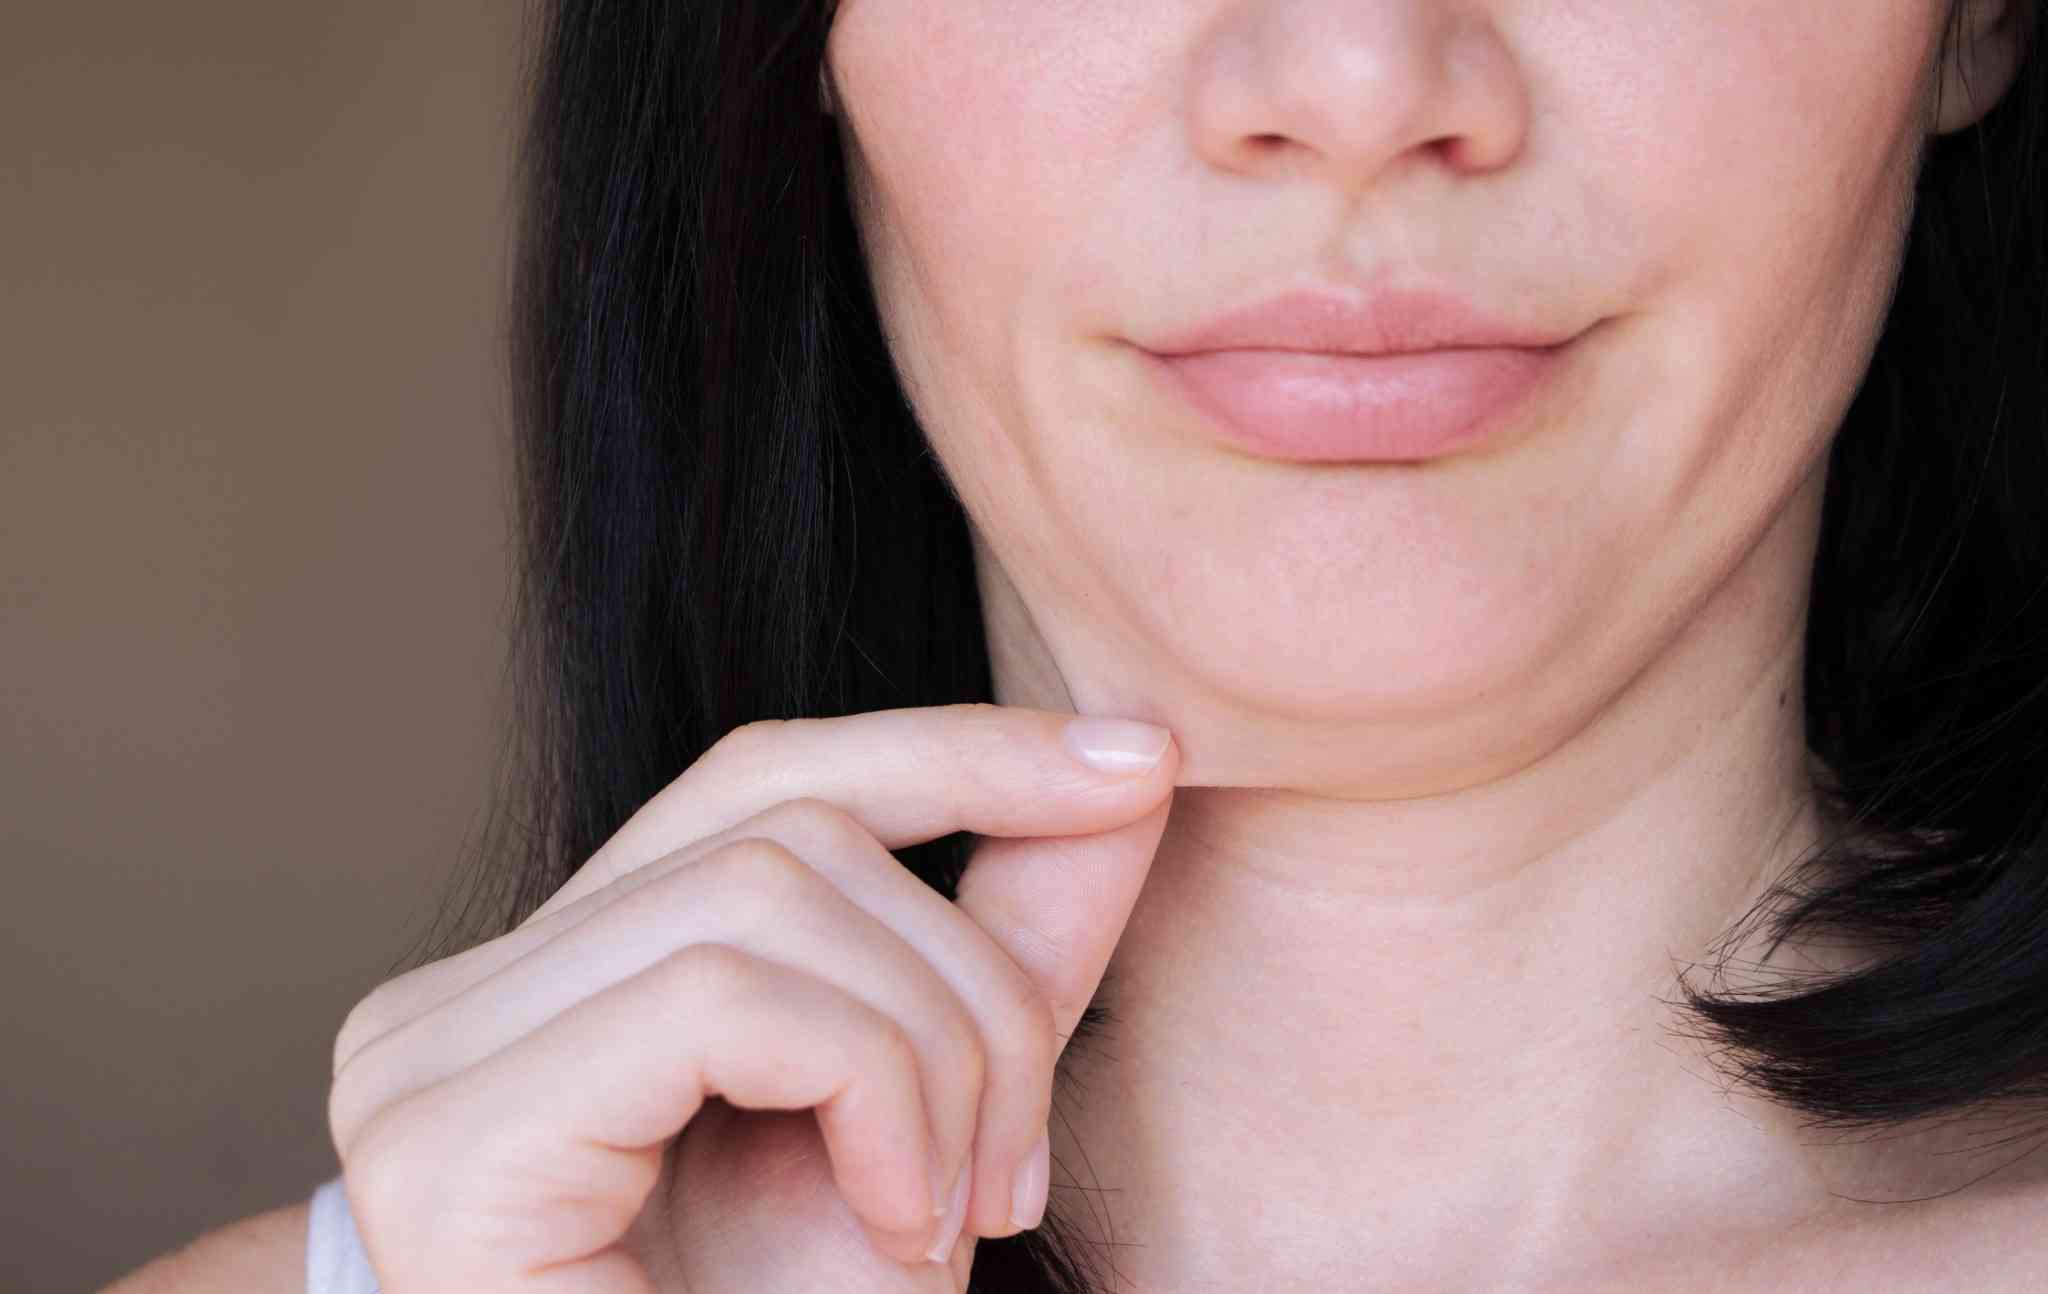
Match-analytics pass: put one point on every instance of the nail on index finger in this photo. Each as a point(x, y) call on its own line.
point(1123, 747)
point(907, 775)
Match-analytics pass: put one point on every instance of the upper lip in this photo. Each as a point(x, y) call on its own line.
point(1391, 322)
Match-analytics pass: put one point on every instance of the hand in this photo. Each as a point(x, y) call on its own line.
point(504, 1116)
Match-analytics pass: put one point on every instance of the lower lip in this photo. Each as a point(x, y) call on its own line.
point(1324, 407)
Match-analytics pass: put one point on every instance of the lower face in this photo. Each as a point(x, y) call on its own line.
point(1709, 199)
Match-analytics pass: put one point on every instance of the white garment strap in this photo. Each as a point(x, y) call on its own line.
point(335, 1261)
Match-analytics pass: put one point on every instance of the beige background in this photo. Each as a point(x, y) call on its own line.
point(252, 577)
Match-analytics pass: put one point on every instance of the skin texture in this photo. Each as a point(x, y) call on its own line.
point(1477, 752)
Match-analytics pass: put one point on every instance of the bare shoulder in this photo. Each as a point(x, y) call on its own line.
point(264, 1253)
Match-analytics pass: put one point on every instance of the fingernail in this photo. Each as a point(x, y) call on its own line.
point(956, 1217)
point(1115, 745)
point(1027, 1195)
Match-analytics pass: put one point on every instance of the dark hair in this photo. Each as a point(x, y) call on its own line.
point(727, 512)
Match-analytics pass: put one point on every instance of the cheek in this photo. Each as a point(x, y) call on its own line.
point(931, 128)
point(1765, 151)
point(985, 131)
point(1765, 142)
point(981, 134)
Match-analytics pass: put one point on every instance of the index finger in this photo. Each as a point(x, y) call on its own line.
point(907, 776)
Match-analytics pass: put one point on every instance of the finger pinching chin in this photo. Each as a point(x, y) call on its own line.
point(907, 776)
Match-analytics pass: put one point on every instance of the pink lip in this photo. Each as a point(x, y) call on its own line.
point(1389, 322)
point(1321, 407)
point(1311, 376)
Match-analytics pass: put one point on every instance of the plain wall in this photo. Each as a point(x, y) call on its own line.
point(253, 575)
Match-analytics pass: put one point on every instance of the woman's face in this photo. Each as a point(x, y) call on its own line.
point(1708, 197)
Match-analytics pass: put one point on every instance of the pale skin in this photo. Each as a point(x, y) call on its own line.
point(1470, 753)
point(1469, 757)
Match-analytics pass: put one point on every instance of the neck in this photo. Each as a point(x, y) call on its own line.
point(1339, 1024)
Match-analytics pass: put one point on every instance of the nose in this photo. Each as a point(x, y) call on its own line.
point(1346, 89)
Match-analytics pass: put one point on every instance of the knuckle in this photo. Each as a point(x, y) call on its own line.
point(749, 887)
point(1023, 1035)
point(709, 971)
point(760, 880)
point(961, 1055)
point(894, 1049)
point(822, 826)
point(744, 734)
point(369, 1018)
point(880, 1044)
point(749, 740)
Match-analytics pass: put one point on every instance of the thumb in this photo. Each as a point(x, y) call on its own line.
point(1058, 904)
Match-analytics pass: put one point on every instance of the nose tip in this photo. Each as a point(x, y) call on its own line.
point(1347, 90)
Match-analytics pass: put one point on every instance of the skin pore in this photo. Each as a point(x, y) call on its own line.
point(1477, 752)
